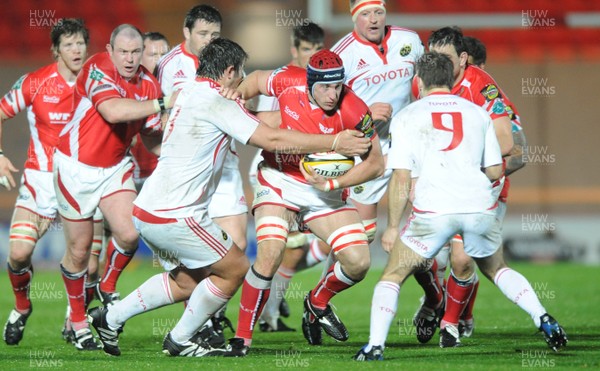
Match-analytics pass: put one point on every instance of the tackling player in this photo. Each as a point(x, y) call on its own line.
point(450, 145)
point(205, 264)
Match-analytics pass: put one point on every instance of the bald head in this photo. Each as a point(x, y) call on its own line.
point(127, 31)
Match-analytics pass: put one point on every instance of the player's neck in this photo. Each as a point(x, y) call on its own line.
point(436, 90)
point(66, 73)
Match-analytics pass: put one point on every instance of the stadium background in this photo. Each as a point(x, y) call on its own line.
point(544, 54)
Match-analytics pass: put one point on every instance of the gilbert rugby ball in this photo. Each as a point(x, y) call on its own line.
point(328, 164)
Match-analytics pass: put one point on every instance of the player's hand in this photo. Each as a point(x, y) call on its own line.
point(317, 181)
point(6, 169)
point(352, 143)
point(232, 94)
point(381, 111)
point(390, 235)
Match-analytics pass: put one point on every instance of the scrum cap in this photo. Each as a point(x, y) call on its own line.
point(324, 67)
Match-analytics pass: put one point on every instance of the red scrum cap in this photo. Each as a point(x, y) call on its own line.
point(324, 67)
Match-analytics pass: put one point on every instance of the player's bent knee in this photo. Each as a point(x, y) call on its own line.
point(370, 228)
point(272, 228)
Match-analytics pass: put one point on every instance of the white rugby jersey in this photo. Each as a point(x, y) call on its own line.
point(175, 68)
point(381, 77)
point(195, 142)
point(445, 140)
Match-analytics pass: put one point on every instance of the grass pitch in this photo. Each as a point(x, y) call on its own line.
point(504, 337)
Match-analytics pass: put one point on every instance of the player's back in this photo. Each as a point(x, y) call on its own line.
point(450, 140)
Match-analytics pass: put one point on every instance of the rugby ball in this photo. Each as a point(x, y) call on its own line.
point(328, 164)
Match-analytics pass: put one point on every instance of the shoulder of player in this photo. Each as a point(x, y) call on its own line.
point(171, 57)
point(352, 102)
point(396, 30)
point(479, 77)
point(342, 45)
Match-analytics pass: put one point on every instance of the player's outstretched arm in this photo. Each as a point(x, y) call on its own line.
point(399, 189)
point(119, 110)
point(347, 142)
point(254, 84)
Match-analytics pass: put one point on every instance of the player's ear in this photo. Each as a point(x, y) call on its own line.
point(294, 52)
point(463, 58)
point(109, 49)
point(186, 33)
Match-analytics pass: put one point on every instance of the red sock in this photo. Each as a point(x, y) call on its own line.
point(430, 284)
point(255, 293)
point(468, 313)
point(75, 286)
point(457, 294)
point(116, 260)
point(335, 281)
point(20, 281)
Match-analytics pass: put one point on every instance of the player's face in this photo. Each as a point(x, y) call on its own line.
point(370, 25)
point(458, 61)
point(153, 50)
point(127, 54)
point(327, 96)
point(304, 51)
point(200, 35)
point(72, 51)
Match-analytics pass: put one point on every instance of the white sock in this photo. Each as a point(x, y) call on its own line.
point(205, 301)
point(518, 290)
point(442, 263)
point(314, 255)
point(279, 286)
point(383, 311)
point(152, 294)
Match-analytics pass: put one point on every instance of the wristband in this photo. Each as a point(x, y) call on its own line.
point(161, 103)
point(331, 185)
point(1, 153)
point(335, 141)
point(156, 105)
point(166, 99)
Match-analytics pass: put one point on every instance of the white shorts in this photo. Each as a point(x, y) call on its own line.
point(276, 188)
point(79, 187)
point(253, 171)
point(427, 235)
point(500, 214)
point(229, 198)
point(37, 194)
point(194, 242)
point(371, 192)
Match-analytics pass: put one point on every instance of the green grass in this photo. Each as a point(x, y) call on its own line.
point(504, 338)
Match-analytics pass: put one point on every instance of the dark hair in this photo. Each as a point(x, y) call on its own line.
point(448, 36)
point(122, 28)
point(475, 49)
point(310, 32)
point(436, 70)
point(68, 27)
point(218, 55)
point(204, 12)
point(154, 36)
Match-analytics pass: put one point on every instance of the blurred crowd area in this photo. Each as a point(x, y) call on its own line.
point(544, 54)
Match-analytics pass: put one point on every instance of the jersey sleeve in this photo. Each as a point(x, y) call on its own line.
point(232, 118)
point(356, 114)
point(488, 96)
point(283, 78)
point(491, 151)
point(98, 85)
point(18, 97)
